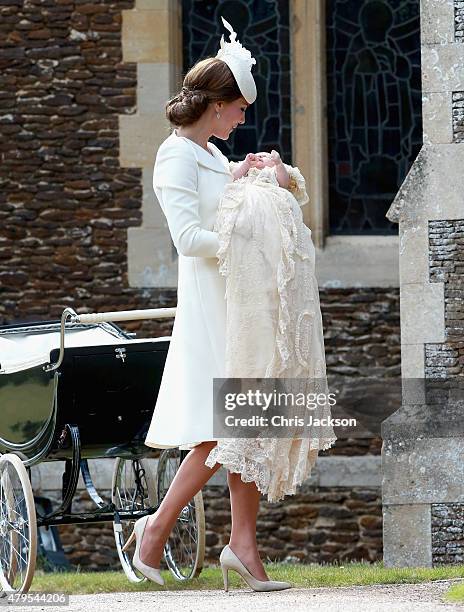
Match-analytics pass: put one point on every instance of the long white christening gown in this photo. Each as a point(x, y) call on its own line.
point(273, 322)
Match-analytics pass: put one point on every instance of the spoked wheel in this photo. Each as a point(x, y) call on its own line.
point(184, 551)
point(18, 527)
point(133, 489)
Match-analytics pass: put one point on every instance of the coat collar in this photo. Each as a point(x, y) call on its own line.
point(217, 161)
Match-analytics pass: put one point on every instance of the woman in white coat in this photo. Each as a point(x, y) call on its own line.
point(189, 177)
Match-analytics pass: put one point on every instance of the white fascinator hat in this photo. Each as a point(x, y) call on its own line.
point(240, 62)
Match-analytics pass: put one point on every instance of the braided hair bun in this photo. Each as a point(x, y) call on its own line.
point(187, 107)
point(208, 81)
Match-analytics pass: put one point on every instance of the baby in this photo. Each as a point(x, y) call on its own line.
point(261, 160)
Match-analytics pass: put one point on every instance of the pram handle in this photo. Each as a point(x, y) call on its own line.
point(105, 317)
point(124, 315)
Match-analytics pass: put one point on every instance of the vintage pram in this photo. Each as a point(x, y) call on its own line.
point(76, 389)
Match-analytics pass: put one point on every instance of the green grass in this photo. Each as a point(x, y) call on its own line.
point(303, 576)
point(455, 593)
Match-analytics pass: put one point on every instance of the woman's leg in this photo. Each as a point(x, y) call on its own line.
point(244, 502)
point(192, 475)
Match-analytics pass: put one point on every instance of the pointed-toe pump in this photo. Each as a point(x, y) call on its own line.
point(152, 573)
point(229, 560)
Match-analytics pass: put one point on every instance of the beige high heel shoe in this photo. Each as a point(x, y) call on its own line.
point(229, 560)
point(152, 573)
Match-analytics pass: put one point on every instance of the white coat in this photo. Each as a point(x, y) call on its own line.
point(189, 182)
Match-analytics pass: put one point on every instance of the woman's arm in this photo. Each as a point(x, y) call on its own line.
point(175, 182)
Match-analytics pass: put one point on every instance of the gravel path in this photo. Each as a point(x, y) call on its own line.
point(424, 597)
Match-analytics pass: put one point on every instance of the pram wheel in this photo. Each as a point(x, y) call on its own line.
point(133, 489)
point(184, 551)
point(18, 527)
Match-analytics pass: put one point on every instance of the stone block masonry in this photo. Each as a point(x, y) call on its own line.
point(65, 202)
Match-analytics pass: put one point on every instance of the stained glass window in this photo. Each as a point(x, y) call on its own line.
point(262, 26)
point(374, 109)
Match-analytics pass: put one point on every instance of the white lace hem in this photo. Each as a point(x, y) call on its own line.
point(263, 473)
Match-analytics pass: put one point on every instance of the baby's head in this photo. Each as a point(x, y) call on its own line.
point(268, 159)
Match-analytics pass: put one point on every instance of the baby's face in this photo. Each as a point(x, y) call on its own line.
point(268, 162)
point(266, 159)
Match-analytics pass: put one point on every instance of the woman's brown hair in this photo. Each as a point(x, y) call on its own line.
point(209, 80)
